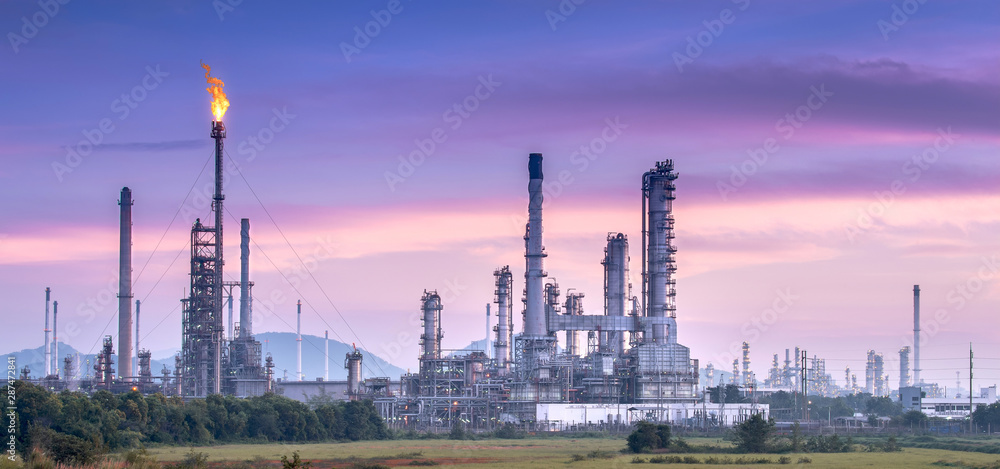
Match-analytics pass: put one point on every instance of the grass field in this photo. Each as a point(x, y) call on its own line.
point(548, 452)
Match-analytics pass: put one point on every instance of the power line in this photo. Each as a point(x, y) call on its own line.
point(313, 277)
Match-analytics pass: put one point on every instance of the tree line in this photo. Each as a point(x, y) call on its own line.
point(106, 422)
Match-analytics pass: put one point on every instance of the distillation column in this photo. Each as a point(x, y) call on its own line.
point(430, 340)
point(615, 287)
point(658, 249)
point(505, 322)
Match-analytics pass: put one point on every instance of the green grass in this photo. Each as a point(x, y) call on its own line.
point(550, 452)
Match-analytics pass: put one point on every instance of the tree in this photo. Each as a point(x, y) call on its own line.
point(914, 418)
point(457, 431)
point(754, 434)
point(644, 438)
point(883, 407)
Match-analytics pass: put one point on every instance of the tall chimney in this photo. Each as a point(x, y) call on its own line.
point(246, 321)
point(55, 338)
point(916, 335)
point(48, 342)
point(125, 285)
point(534, 255)
point(326, 356)
point(135, 367)
point(298, 342)
point(218, 134)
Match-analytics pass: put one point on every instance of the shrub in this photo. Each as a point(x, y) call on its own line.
point(638, 460)
point(805, 460)
point(784, 460)
point(295, 463)
point(753, 434)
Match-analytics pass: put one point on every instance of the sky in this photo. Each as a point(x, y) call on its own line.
point(832, 155)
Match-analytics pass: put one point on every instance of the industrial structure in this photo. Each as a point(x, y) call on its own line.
point(631, 366)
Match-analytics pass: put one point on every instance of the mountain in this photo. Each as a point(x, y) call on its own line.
point(282, 347)
point(34, 360)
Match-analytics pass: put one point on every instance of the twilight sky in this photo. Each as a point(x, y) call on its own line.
point(832, 155)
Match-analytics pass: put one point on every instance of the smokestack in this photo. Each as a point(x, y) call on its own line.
point(218, 134)
point(326, 356)
point(55, 338)
point(135, 368)
point(246, 321)
point(298, 342)
point(48, 342)
point(534, 312)
point(916, 335)
point(125, 284)
point(487, 345)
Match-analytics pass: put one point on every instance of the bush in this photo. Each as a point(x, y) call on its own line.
point(784, 460)
point(295, 463)
point(753, 434)
point(457, 431)
point(638, 460)
point(509, 432)
point(648, 437)
point(805, 460)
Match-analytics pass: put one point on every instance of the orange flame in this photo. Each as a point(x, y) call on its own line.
point(219, 101)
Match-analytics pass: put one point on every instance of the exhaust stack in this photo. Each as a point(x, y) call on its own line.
point(916, 335)
point(534, 255)
point(125, 285)
point(48, 343)
point(298, 343)
point(246, 321)
point(135, 369)
point(55, 338)
point(326, 356)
